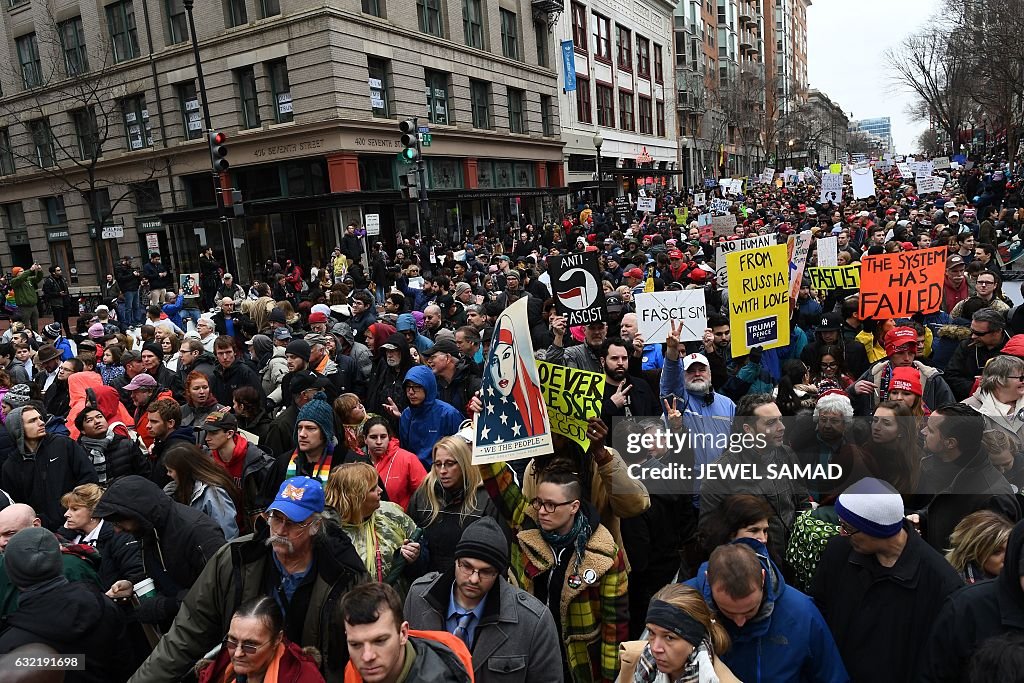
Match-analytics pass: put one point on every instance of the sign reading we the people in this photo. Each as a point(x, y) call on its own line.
point(901, 284)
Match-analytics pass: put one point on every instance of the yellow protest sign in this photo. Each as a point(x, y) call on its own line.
point(681, 215)
point(758, 298)
point(835, 277)
point(572, 397)
point(835, 169)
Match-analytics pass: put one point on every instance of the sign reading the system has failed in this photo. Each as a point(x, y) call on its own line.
point(758, 298)
point(577, 289)
point(901, 284)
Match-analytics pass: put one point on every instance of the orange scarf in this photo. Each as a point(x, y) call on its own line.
point(272, 670)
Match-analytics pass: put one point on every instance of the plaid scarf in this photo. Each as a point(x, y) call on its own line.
point(698, 668)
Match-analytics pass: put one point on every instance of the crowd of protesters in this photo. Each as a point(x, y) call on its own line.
point(273, 480)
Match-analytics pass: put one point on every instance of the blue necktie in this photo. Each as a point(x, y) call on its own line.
point(462, 628)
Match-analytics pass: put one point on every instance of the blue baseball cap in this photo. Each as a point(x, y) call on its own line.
point(298, 498)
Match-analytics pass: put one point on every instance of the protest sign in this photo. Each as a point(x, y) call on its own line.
point(831, 188)
point(737, 245)
point(863, 182)
point(940, 163)
point(514, 421)
point(906, 170)
point(682, 215)
point(828, 251)
point(767, 176)
point(705, 232)
point(700, 199)
point(655, 311)
point(189, 284)
point(901, 284)
point(704, 219)
point(797, 246)
point(929, 184)
point(646, 204)
point(572, 397)
point(723, 224)
point(577, 288)
point(836, 169)
point(758, 298)
point(720, 205)
point(792, 178)
point(922, 168)
point(834, 277)
point(737, 186)
point(622, 206)
point(710, 182)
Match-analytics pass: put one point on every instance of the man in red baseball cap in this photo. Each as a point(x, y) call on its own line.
point(901, 347)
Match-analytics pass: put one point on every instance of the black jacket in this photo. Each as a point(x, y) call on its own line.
point(464, 385)
point(122, 456)
point(880, 616)
point(226, 380)
point(641, 400)
point(158, 473)
point(855, 356)
point(165, 378)
point(386, 381)
point(244, 328)
point(40, 479)
point(126, 278)
point(55, 291)
point(72, 618)
point(120, 554)
point(205, 363)
point(966, 364)
point(175, 540)
point(974, 614)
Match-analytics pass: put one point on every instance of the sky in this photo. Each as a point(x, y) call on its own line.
point(846, 43)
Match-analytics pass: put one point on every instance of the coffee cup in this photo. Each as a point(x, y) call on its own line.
point(144, 589)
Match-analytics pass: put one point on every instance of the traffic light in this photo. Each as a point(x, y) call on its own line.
point(219, 151)
point(410, 185)
point(237, 206)
point(410, 140)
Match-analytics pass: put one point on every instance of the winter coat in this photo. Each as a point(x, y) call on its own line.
point(378, 539)
point(947, 341)
point(173, 310)
point(420, 427)
point(966, 365)
point(121, 456)
point(194, 417)
point(787, 642)
point(711, 414)
point(434, 656)
point(226, 380)
point(120, 554)
point(256, 471)
point(972, 615)
point(295, 666)
point(936, 391)
point(515, 640)
point(273, 372)
point(89, 624)
point(386, 381)
point(24, 285)
point(1011, 425)
point(243, 325)
point(55, 291)
point(242, 570)
point(158, 473)
point(464, 385)
point(580, 356)
point(41, 478)
point(443, 533)
point(402, 473)
point(880, 616)
point(126, 278)
point(855, 356)
point(16, 371)
point(407, 323)
point(206, 363)
point(215, 503)
point(176, 541)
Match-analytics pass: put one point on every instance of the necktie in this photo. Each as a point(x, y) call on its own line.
point(462, 628)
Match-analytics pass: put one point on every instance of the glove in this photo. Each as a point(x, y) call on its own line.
point(156, 610)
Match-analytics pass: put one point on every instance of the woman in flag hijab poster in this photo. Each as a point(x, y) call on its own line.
point(514, 421)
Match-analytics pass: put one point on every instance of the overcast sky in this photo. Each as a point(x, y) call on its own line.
point(845, 46)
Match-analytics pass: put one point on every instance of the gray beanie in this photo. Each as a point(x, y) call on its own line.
point(33, 556)
point(18, 395)
point(484, 540)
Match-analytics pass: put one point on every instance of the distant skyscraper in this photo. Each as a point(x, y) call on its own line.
point(882, 127)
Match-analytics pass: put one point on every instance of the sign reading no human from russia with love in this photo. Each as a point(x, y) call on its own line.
point(758, 298)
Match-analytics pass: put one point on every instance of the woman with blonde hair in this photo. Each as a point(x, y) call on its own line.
point(350, 415)
point(684, 641)
point(450, 498)
point(381, 533)
point(979, 545)
point(120, 555)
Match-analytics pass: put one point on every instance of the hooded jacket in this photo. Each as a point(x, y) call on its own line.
point(856, 358)
point(24, 285)
point(386, 381)
point(238, 374)
point(401, 472)
point(273, 372)
point(464, 385)
point(787, 642)
point(107, 400)
point(974, 614)
point(244, 569)
point(119, 553)
point(420, 427)
point(158, 473)
point(41, 478)
point(406, 322)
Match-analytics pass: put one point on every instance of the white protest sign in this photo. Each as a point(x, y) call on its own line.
point(737, 186)
point(641, 192)
point(831, 188)
point(927, 184)
point(655, 312)
point(646, 203)
point(922, 168)
point(906, 170)
point(767, 176)
point(700, 199)
point(372, 221)
point(723, 224)
point(737, 245)
point(863, 182)
point(828, 251)
point(792, 177)
point(940, 163)
point(720, 205)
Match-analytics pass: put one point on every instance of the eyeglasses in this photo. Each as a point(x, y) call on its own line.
point(484, 574)
point(283, 523)
point(445, 464)
point(548, 506)
point(1019, 378)
point(247, 648)
point(829, 365)
point(987, 283)
point(847, 530)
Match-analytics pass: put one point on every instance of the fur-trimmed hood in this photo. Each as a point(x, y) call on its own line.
point(954, 332)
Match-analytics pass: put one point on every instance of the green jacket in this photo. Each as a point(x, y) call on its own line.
point(244, 569)
point(79, 565)
point(24, 285)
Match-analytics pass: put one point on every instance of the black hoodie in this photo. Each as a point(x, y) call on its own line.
point(974, 614)
point(386, 381)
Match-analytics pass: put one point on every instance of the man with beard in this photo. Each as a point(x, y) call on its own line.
point(582, 356)
point(231, 373)
point(624, 396)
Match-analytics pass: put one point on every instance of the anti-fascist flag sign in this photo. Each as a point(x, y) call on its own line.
point(577, 289)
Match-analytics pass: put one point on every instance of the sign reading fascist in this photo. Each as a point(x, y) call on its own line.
point(577, 289)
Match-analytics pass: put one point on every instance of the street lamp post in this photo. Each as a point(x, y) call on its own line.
point(598, 141)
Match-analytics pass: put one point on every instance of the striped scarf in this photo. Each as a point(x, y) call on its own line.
point(320, 470)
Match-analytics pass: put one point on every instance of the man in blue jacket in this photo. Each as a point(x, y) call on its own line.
point(406, 324)
point(427, 418)
point(777, 633)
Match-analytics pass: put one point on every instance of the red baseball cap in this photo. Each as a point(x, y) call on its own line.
point(675, 253)
point(898, 337)
point(906, 379)
point(635, 273)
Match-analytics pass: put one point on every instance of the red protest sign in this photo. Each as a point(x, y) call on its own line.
point(901, 284)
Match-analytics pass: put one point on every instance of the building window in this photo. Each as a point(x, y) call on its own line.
point(480, 99)
point(123, 35)
point(235, 12)
point(53, 207)
point(42, 142)
point(6, 157)
point(28, 56)
point(72, 43)
point(659, 69)
point(602, 38)
point(644, 114)
point(250, 100)
point(280, 90)
point(473, 23)
point(191, 114)
point(516, 115)
point(626, 121)
point(605, 106)
point(177, 22)
point(579, 27)
point(437, 97)
point(147, 197)
point(136, 122)
point(583, 105)
point(428, 12)
point(15, 217)
point(643, 57)
point(540, 30)
point(380, 87)
point(509, 34)
point(547, 116)
point(373, 7)
point(624, 47)
point(270, 8)
point(99, 201)
point(86, 134)
point(659, 110)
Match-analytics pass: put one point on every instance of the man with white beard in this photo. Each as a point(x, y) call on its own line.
point(649, 354)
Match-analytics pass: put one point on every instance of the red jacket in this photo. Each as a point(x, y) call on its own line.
point(295, 667)
point(402, 473)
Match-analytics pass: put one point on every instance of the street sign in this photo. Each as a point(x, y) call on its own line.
point(372, 222)
point(424, 129)
point(112, 232)
point(425, 139)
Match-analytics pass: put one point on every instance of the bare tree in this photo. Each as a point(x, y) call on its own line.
point(928, 143)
